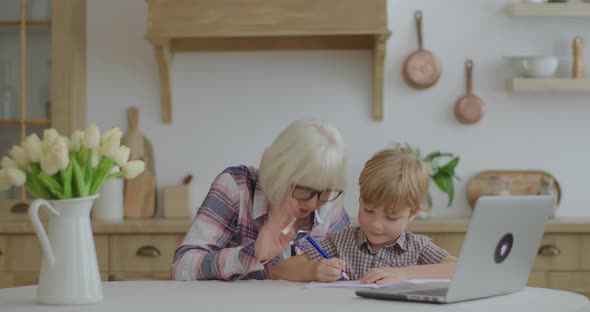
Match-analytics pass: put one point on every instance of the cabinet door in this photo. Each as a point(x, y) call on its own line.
point(26, 255)
point(6, 280)
point(16, 279)
point(573, 281)
point(16, 211)
point(558, 252)
point(585, 241)
point(138, 276)
point(538, 279)
point(450, 242)
point(143, 253)
point(42, 73)
point(3, 254)
point(25, 42)
point(10, 80)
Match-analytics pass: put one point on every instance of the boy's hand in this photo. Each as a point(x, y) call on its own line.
point(329, 270)
point(384, 276)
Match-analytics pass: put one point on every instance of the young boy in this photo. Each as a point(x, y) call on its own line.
point(380, 250)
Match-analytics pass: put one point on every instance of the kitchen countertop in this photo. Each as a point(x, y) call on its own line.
point(179, 226)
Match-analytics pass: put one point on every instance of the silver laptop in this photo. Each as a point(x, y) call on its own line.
point(496, 257)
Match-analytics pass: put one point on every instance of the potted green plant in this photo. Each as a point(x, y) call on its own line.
point(441, 172)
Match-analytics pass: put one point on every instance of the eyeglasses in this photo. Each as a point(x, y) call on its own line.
point(306, 193)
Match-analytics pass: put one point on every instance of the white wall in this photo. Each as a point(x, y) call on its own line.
point(229, 106)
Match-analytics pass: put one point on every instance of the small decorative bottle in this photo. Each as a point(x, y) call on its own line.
point(578, 67)
point(7, 95)
point(46, 94)
point(547, 187)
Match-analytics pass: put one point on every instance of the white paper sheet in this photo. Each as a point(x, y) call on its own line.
point(357, 284)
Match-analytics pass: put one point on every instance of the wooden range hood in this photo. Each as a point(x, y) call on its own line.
point(248, 25)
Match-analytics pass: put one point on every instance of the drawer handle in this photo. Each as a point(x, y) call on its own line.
point(549, 250)
point(148, 252)
point(19, 208)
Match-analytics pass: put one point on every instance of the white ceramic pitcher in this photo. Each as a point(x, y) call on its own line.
point(69, 272)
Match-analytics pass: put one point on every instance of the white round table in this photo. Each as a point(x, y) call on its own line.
point(277, 296)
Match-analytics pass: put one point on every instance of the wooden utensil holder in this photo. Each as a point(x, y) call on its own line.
point(177, 201)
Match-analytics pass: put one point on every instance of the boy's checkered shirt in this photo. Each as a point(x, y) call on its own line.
point(351, 245)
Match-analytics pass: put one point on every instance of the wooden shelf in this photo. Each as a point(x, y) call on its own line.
point(29, 23)
point(32, 122)
point(549, 9)
point(226, 25)
point(559, 85)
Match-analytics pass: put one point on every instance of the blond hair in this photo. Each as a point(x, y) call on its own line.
point(395, 179)
point(310, 153)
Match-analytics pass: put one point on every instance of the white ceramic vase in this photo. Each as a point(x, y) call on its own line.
point(69, 271)
point(109, 206)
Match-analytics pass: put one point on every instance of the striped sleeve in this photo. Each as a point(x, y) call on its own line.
point(431, 253)
point(339, 220)
point(203, 254)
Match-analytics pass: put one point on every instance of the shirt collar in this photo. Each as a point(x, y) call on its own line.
point(362, 240)
point(260, 205)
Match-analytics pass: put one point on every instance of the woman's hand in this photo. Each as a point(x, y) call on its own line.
point(328, 270)
point(271, 240)
point(384, 276)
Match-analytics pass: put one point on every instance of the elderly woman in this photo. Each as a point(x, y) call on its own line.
point(251, 219)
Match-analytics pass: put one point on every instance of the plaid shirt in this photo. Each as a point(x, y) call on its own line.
point(220, 241)
point(351, 245)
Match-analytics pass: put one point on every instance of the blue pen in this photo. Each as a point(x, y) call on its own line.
point(320, 250)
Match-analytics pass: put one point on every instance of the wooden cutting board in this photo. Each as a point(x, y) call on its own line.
point(140, 193)
point(140, 196)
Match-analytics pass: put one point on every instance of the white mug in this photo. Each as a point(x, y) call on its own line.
point(109, 206)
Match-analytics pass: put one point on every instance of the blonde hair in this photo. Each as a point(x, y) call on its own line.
point(395, 179)
point(310, 153)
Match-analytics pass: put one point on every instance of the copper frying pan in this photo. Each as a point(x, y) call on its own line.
point(421, 68)
point(469, 108)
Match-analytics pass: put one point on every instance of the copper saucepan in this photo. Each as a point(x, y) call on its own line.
point(469, 108)
point(421, 68)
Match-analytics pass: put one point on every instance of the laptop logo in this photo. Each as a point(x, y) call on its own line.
point(503, 248)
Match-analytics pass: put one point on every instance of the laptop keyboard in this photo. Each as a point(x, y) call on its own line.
point(429, 292)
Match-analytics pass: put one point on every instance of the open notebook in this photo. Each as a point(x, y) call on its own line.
point(357, 284)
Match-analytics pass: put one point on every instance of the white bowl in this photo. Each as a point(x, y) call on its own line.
point(536, 66)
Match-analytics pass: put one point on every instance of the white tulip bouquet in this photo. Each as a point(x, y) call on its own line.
point(59, 167)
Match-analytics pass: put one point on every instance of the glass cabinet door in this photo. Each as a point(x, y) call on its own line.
point(25, 60)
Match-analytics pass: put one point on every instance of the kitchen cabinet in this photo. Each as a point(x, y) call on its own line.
point(144, 249)
point(42, 76)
